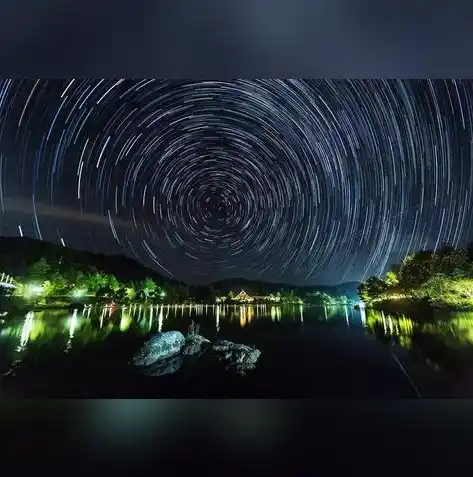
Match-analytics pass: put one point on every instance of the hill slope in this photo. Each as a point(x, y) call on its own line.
point(260, 288)
point(17, 254)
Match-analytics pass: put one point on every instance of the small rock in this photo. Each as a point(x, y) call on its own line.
point(240, 357)
point(193, 329)
point(160, 346)
point(195, 345)
point(164, 366)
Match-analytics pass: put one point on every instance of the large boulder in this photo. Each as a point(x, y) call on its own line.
point(161, 346)
point(163, 366)
point(195, 345)
point(240, 357)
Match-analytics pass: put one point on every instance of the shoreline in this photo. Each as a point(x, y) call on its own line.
point(417, 305)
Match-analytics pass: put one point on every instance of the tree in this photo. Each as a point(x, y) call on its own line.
point(448, 260)
point(149, 288)
point(130, 292)
point(182, 293)
point(444, 277)
point(59, 284)
point(120, 294)
point(39, 271)
point(374, 288)
point(391, 279)
point(416, 269)
point(321, 299)
point(469, 251)
point(96, 281)
point(172, 294)
point(105, 292)
point(212, 294)
point(112, 282)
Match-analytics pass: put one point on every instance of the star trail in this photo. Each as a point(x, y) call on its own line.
point(299, 181)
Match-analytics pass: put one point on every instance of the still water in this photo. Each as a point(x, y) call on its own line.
point(306, 352)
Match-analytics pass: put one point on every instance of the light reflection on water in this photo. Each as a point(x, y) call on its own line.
point(64, 331)
point(73, 329)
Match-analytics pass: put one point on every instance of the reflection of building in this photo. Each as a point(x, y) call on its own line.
point(246, 315)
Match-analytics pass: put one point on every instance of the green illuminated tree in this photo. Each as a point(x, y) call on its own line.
point(39, 271)
point(321, 299)
point(374, 288)
point(130, 292)
point(149, 288)
point(392, 280)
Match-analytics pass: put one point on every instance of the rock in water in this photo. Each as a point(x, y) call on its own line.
point(240, 357)
point(164, 366)
point(195, 345)
point(160, 346)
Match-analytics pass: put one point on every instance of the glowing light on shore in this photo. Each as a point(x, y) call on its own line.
point(79, 292)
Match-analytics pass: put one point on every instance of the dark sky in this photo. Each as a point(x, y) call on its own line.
point(298, 181)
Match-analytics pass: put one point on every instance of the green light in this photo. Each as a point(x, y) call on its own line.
point(79, 292)
point(32, 290)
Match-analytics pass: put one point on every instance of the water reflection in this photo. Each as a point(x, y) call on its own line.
point(97, 323)
point(445, 342)
point(399, 329)
point(63, 332)
point(72, 325)
point(26, 330)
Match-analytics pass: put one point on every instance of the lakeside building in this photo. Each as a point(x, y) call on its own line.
point(244, 297)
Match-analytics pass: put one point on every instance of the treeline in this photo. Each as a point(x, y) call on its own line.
point(46, 271)
point(45, 281)
point(324, 299)
point(442, 278)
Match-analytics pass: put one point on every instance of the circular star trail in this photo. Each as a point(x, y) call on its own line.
point(297, 181)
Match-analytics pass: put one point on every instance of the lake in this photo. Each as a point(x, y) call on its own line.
point(306, 352)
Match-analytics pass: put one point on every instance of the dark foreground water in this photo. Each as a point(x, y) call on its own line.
point(306, 352)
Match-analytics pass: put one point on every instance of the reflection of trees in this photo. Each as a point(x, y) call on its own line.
point(454, 333)
point(58, 331)
point(334, 311)
point(387, 327)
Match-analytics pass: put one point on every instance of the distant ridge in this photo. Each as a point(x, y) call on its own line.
point(257, 287)
point(18, 253)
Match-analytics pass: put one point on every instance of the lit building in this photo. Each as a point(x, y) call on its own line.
point(243, 297)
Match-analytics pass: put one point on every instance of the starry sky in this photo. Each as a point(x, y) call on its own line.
point(294, 181)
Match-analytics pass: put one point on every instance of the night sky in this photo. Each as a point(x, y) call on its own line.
point(295, 181)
